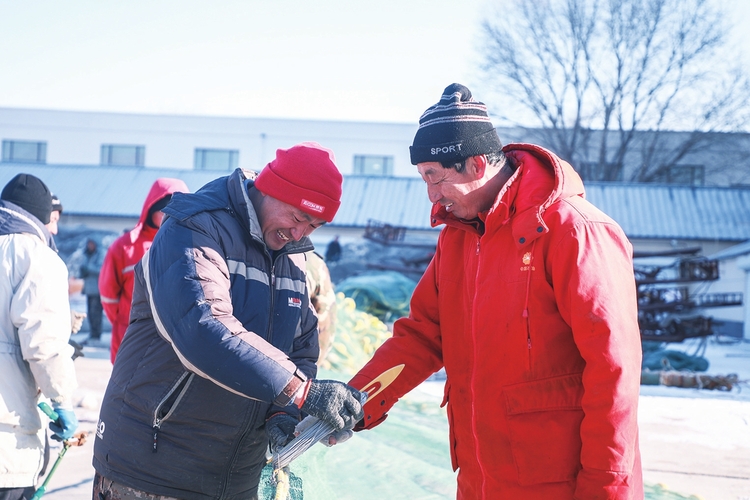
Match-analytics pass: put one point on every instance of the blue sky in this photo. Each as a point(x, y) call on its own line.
point(383, 60)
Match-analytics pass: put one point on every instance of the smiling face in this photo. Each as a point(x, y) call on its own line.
point(282, 223)
point(456, 192)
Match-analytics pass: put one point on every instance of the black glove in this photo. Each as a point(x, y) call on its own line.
point(280, 429)
point(334, 402)
point(77, 349)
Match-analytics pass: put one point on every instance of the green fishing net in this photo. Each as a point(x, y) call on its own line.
point(383, 294)
point(274, 487)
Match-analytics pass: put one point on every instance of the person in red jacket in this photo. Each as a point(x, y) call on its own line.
point(116, 277)
point(530, 306)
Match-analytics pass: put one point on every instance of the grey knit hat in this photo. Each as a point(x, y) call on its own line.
point(456, 127)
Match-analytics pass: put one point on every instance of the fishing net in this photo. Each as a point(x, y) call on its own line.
point(407, 457)
point(279, 484)
point(383, 294)
point(357, 336)
point(661, 492)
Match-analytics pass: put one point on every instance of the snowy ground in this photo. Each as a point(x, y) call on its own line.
point(697, 442)
point(693, 442)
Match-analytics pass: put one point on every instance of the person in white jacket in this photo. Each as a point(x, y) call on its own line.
point(35, 358)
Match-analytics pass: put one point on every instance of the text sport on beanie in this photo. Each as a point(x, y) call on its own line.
point(304, 176)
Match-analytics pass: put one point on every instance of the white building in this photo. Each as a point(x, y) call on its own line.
point(196, 142)
point(101, 165)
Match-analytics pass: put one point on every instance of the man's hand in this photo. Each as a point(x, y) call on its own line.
point(76, 320)
point(280, 429)
point(65, 426)
point(333, 402)
point(336, 437)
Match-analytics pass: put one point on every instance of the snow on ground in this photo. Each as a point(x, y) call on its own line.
point(724, 358)
point(697, 441)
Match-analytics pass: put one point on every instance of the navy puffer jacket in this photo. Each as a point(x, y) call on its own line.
point(220, 334)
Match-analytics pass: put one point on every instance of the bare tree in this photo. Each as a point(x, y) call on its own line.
point(624, 89)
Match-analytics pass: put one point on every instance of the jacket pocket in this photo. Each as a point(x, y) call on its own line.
point(168, 404)
point(544, 424)
point(451, 432)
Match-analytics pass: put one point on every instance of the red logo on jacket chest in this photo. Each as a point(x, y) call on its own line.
point(526, 259)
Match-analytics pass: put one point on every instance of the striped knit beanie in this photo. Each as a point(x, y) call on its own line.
point(455, 128)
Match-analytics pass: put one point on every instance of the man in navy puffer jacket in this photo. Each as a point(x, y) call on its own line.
point(221, 348)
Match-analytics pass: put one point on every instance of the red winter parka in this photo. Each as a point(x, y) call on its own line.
point(535, 322)
point(116, 277)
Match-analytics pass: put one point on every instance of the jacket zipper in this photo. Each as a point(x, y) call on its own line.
point(182, 384)
point(525, 313)
point(272, 289)
point(225, 481)
point(473, 379)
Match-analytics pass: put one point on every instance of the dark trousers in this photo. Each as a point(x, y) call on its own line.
point(17, 493)
point(104, 489)
point(94, 316)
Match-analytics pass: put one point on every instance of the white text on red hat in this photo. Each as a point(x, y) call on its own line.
point(312, 206)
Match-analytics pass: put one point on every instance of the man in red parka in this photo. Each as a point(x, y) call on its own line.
point(530, 306)
point(116, 277)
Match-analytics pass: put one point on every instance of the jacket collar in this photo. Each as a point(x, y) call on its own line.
point(16, 220)
point(228, 193)
point(541, 179)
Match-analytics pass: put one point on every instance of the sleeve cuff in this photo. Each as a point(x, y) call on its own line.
point(289, 393)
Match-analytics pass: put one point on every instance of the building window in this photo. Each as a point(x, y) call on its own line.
point(373, 165)
point(216, 159)
point(24, 151)
point(592, 171)
point(686, 175)
point(123, 155)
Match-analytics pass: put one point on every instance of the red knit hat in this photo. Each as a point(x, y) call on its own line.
point(304, 176)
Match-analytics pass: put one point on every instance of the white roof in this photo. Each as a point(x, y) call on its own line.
point(643, 210)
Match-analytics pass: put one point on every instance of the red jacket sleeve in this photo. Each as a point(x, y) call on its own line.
point(415, 344)
point(111, 282)
point(599, 301)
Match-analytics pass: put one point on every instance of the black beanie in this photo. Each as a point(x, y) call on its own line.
point(31, 194)
point(455, 128)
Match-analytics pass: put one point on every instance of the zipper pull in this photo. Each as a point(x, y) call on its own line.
point(525, 314)
point(156, 437)
point(478, 243)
